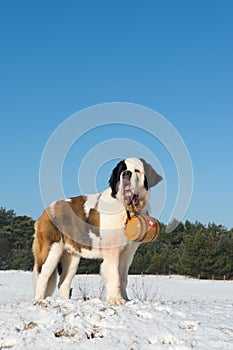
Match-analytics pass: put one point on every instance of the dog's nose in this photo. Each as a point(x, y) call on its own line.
point(127, 175)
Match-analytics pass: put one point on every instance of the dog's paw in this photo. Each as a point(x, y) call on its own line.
point(116, 301)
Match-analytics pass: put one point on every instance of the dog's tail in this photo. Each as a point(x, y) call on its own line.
point(41, 250)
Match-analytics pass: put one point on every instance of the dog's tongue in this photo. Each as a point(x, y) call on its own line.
point(135, 199)
point(130, 198)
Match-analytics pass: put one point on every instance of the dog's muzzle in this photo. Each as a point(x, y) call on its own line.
point(129, 196)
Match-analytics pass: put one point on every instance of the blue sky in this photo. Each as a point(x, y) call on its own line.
point(176, 57)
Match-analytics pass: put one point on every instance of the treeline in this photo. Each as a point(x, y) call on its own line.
point(16, 236)
point(192, 249)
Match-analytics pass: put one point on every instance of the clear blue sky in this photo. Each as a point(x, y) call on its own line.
point(176, 57)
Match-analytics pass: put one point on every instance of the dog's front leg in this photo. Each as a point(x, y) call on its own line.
point(126, 258)
point(111, 277)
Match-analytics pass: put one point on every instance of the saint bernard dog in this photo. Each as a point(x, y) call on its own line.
point(92, 226)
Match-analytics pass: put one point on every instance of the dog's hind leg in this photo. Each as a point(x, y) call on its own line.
point(46, 277)
point(69, 266)
point(51, 284)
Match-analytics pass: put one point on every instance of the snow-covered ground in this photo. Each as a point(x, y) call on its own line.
point(164, 313)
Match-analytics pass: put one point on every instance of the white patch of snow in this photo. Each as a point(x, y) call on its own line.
point(178, 313)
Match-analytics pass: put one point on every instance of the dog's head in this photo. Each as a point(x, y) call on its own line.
point(130, 182)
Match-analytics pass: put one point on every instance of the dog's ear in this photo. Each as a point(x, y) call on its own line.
point(115, 177)
point(152, 177)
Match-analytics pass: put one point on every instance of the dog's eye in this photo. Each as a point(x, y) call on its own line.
point(137, 171)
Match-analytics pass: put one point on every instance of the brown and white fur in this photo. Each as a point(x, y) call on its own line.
point(92, 226)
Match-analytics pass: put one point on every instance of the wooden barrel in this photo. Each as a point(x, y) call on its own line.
point(142, 228)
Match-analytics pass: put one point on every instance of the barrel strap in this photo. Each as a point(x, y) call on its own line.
point(128, 214)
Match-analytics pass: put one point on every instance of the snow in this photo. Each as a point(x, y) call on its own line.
point(164, 313)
